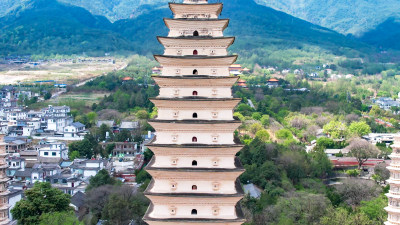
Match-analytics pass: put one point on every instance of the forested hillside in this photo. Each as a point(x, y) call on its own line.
point(49, 27)
point(345, 16)
point(386, 35)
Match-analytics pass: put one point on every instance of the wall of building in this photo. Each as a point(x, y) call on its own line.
point(185, 186)
point(202, 70)
point(209, 92)
point(186, 138)
point(207, 114)
point(202, 162)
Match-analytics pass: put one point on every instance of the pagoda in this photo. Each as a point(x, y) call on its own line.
point(3, 183)
point(194, 169)
point(394, 193)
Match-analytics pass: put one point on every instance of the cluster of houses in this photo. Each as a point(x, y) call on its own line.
point(387, 103)
point(47, 161)
point(50, 121)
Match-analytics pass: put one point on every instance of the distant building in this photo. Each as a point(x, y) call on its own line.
point(123, 148)
point(74, 129)
point(156, 70)
point(273, 83)
point(235, 69)
point(242, 83)
point(386, 103)
point(53, 152)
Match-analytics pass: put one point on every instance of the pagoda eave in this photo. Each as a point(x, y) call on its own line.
point(179, 8)
point(184, 23)
point(169, 60)
point(205, 126)
point(193, 150)
point(200, 81)
point(196, 41)
point(195, 103)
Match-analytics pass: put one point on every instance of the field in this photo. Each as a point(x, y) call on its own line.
point(88, 98)
point(61, 72)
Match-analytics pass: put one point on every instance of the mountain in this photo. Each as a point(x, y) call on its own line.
point(264, 35)
point(386, 35)
point(49, 27)
point(345, 16)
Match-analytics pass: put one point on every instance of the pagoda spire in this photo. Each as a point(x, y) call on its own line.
point(194, 168)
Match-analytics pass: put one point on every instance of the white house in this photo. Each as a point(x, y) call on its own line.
point(58, 124)
point(53, 150)
point(88, 168)
point(73, 129)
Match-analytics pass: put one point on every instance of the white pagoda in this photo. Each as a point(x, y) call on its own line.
point(394, 193)
point(195, 171)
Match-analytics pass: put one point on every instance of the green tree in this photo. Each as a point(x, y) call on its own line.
point(91, 117)
point(336, 129)
point(265, 120)
point(40, 199)
point(101, 178)
point(263, 135)
point(47, 96)
point(73, 155)
point(117, 211)
point(359, 129)
point(375, 209)
point(59, 218)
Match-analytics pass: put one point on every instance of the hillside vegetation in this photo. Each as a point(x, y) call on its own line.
point(345, 16)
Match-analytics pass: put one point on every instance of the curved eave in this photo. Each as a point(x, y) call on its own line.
point(199, 99)
point(239, 219)
point(199, 146)
point(195, 81)
point(238, 168)
point(177, 8)
point(199, 41)
point(196, 23)
point(196, 60)
point(195, 121)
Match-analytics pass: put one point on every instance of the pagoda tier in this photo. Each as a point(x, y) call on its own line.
point(394, 193)
point(201, 11)
point(203, 156)
point(193, 132)
point(202, 86)
point(196, 45)
point(196, 27)
point(195, 108)
point(194, 207)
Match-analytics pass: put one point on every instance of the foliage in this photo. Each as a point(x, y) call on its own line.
point(353, 173)
point(336, 129)
point(362, 150)
point(59, 218)
point(354, 191)
point(40, 199)
point(100, 179)
point(359, 129)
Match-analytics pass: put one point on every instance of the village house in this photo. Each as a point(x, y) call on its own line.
point(235, 69)
point(88, 168)
point(273, 83)
point(14, 164)
point(123, 148)
point(386, 103)
point(52, 152)
point(73, 130)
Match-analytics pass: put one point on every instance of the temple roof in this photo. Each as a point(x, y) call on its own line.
point(196, 60)
point(198, 41)
point(196, 23)
point(215, 8)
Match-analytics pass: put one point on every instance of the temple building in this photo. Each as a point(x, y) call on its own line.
point(394, 193)
point(195, 171)
point(3, 183)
